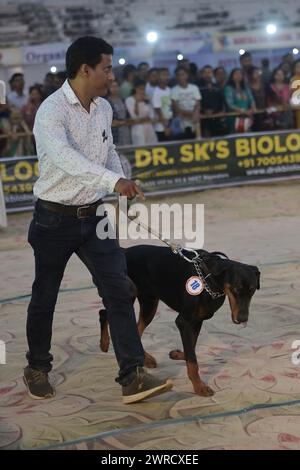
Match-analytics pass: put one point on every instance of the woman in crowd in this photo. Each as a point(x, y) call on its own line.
point(262, 121)
point(121, 131)
point(279, 96)
point(139, 108)
point(239, 99)
point(34, 101)
point(295, 92)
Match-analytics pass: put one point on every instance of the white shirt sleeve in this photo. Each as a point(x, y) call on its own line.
point(197, 93)
point(52, 139)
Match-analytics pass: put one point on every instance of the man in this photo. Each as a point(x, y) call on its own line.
point(246, 62)
point(162, 104)
point(78, 166)
point(220, 77)
point(152, 82)
point(186, 103)
point(212, 102)
point(142, 71)
point(16, 97)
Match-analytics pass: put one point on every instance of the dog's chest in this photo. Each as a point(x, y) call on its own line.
point(203, 312)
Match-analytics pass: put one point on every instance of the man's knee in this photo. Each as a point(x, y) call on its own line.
point(118, 289)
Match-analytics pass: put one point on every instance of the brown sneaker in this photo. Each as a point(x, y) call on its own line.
point(144, 386)
point(37, 383)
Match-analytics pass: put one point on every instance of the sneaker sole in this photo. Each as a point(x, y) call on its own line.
point(36, 397)
point(153, 392)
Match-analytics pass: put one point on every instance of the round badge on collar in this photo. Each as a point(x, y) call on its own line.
point(194, 285)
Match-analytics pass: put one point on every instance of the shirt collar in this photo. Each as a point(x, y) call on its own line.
point(71, 95)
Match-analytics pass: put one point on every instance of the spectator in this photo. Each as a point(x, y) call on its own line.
point(193, 78)
point(59, 79)
point(246, 64)
point(129, 75)
point(141, 111)
point(49, 84)
point(142, 71)
point(185, 64)
point(279, 96)
point(238, 99)
point(266, 73)
point(295, 87)
point(162, 104)
point(34, 101)
point(186, 103)
point(121, 131)
point(152, 82)
point(16, 97)
point(287, 65)
point(220, 77)
point(261, 121)
point(212, 102)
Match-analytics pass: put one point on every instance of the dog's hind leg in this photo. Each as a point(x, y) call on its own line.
point(148, 307)
point(104, 330)
point(189, 329)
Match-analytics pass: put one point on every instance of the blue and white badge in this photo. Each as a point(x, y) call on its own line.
point(194, 285)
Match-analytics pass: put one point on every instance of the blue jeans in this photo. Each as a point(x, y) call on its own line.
point(54, 237)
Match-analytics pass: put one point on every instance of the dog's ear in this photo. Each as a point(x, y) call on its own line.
point(216, 265)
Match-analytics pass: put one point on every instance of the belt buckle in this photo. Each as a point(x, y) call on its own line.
point(78, 213)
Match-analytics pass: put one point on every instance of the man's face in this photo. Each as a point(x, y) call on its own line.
point(143, 70)
point(153, 78)
point(182, 77)
point(18, 83)
point(246, 62)
point(220, 75)
point(207, 74)
point(164, 77)
point(101, 77)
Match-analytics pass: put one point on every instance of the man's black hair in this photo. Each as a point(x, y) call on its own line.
point(180, 69)
point(141, 64)
point(245, 55)
point(86, 50)
point(153, 69)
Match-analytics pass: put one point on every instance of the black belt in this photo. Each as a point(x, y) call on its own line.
point(77, 211)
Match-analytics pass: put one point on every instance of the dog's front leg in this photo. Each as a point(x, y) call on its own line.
point(189, 331)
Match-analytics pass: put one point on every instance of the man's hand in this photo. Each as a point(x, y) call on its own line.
point(128, 188)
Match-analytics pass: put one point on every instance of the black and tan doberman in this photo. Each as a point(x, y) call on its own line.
point(159, 274)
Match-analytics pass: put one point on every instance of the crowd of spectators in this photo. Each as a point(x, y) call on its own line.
point(150, 105)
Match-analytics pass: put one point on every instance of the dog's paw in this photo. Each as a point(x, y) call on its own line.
point(150, 361)
point(177, 355)
point(203, 390)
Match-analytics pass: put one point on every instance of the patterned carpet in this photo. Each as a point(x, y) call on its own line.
point(257, 399)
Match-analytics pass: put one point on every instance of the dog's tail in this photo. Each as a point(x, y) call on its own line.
point(104, 333)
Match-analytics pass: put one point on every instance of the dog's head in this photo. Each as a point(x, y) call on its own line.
point(241, 282)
